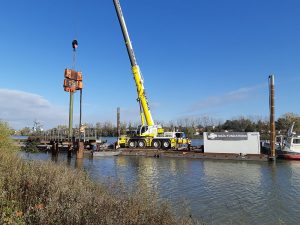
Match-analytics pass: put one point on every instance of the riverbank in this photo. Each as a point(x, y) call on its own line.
point(34, 192)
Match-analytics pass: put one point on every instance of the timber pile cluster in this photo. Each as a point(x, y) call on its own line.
point(34, 192)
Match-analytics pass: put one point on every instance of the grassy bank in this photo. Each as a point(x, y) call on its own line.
point(47, 193)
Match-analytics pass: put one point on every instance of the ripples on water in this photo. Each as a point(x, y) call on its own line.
point(215, 191)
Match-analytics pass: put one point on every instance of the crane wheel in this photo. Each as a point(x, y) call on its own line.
point(166, 144)
point(132, 144)
point(141, 144)
point(156, 144)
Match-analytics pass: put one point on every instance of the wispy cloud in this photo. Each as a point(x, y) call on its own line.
point(227, 98)
point(155, 105)
point(21, 108)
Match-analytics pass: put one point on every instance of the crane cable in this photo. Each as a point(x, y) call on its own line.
point(74, 42)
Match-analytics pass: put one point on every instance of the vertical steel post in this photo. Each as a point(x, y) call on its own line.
point(71, 116)
point(71, 125)
point(118, 122)
point(272, 117)
point(80, 113)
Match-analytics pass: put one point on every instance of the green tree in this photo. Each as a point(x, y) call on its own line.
point(239, 125)
point(26, 131)
point(285, 121)
point(5, 140)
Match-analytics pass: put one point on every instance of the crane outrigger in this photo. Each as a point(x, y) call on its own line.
point(148, 134)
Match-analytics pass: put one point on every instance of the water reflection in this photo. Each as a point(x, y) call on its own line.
point(78, 163)
point(54, 157)
point(230, 189)
point(69, 160)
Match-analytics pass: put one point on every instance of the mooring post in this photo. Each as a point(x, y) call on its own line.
point(70, 150)
point(54, 148)
point(272, 117)
point(70, 147)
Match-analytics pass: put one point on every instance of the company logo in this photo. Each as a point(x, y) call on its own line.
point(212, 136)
point(227, 136)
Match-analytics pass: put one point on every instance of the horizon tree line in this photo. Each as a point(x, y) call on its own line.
point(193, 127)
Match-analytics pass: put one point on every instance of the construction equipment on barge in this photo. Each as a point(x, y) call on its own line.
point(148, 134)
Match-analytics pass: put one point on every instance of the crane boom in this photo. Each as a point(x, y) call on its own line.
point(135, 68)
point(149, 134)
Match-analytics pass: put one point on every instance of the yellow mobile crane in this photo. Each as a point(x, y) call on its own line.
point(148, 134)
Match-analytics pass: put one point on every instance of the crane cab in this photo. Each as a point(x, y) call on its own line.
point(147, 131)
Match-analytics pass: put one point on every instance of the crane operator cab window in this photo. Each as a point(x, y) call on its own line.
point(144, 129)
point(180, 135)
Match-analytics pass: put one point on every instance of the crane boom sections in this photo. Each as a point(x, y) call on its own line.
point(135, 68)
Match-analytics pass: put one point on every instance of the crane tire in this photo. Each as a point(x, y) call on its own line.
point(166, 144)
point(141, 144)
point(132, 144)
point(156, 144)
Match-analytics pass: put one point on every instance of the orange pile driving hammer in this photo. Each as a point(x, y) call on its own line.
point(73, 80)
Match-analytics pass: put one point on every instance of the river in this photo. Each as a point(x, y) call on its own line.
point(212, 191)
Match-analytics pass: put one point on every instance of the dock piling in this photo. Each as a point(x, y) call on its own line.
point(54, 148)
point(272, 117)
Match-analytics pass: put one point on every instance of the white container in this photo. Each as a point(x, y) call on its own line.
point(232, 142)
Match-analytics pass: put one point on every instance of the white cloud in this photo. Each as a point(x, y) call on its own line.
point(21, 108)
point(227, 98)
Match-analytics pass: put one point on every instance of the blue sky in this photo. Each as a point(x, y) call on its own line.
point(198, 58)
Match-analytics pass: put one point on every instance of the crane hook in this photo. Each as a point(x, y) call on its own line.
point(74, 44)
